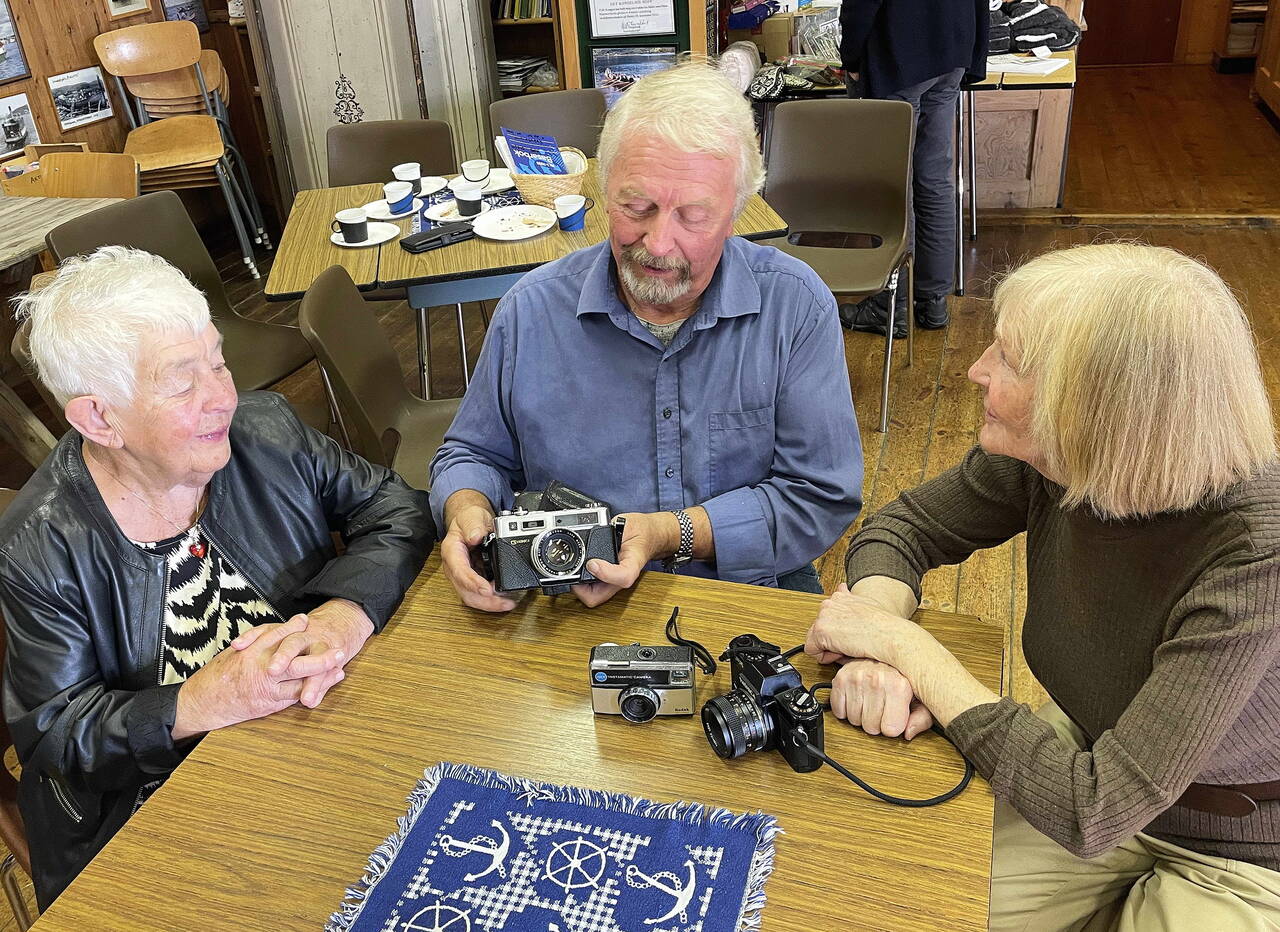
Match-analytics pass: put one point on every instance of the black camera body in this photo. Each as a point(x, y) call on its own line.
point(547, 546)
point(767, 708)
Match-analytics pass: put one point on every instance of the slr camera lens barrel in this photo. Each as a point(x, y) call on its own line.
point(735, 724)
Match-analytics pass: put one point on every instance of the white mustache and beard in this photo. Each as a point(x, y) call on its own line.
point(646, 288)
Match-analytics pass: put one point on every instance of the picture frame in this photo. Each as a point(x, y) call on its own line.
point(80, 97)
point(613, 19)
point(123, 9)
point(616, 68)
point(13, 60)
point(191, 10)
point(17, 125)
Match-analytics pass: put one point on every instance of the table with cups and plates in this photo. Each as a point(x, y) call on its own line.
point(266, 823)
point(479, 269)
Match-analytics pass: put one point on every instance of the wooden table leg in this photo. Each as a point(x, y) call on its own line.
point(21, 429)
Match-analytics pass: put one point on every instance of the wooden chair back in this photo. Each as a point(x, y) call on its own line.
point(180, 83)
point(78, 174)
point(150, 48)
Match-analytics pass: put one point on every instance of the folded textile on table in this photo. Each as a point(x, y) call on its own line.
point(480, 851)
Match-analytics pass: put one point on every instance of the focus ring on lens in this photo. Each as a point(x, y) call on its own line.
point(638, 704)
point(735, 724)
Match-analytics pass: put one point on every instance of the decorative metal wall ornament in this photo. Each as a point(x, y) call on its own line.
point(347, 109)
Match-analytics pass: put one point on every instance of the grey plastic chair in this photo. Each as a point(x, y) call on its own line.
point(360, 153)
point(847, 213)
point(386, 423)
point(573, 117)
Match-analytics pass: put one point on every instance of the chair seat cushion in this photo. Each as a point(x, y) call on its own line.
point(261, 354)
point(177, 141)
point(851, 272)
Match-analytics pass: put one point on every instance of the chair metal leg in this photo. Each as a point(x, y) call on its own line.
point(250, 196)
point(911, 309)
point(972, 155)
point(246, 250)
point(462, 349)
point(888, 353)
point(960, 147)
point(335, 413)
point(484, 316)
point(246, 213)
point(424, 353)
point(13, 892)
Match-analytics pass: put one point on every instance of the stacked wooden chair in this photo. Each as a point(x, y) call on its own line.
point(175, 97)
point(78, 174)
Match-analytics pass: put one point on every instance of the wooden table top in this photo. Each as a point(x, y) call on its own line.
point(1062, 78)
point(266, 823)
point(305, 251)
point(24, 221)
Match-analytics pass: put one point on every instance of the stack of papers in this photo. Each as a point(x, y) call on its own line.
point(1024, 64)
point(515, 74)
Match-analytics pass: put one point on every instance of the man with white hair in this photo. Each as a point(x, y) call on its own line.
point(689, 379)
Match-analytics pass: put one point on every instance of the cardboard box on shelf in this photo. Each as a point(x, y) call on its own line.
point(775, 36)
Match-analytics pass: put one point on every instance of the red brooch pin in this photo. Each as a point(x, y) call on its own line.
point(197, 551)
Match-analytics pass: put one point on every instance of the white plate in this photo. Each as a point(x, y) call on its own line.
point(431, 184)
point(499, 180)
point(378, 233)
point(519, 221)
point(447, 212)
point(378, 210)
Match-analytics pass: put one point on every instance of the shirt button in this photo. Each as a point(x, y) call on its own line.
point(666, 412)
point(670, 472)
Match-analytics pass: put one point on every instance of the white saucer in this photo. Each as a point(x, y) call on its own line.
point(378, 210)
point(520, 221)
point(499, 180)
point(378, 233)
point(431, 184)
point(447, 212)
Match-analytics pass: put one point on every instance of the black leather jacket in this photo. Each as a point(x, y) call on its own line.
point(84, 609)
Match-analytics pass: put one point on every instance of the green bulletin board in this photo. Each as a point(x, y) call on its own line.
point(586, 44)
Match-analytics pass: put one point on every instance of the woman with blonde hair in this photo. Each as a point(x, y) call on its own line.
point(1127, 431)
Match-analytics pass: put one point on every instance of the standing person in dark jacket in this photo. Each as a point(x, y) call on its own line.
point(170, 569)
point(918, 51)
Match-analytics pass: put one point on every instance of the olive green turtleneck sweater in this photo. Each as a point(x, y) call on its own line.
point(1159, 636)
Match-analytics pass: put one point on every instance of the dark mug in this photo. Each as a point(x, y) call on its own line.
point(469, 196)
point(352, 223)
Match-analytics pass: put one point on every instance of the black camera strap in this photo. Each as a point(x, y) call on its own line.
point(701, 656)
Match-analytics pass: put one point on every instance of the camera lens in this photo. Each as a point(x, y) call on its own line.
point(736, 723)
point(557, 552)
point(639, 704)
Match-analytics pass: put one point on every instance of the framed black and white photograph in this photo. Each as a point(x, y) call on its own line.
point(119, 9)
point(13, 63)
point(80, 97)
point(17, 126)
point(614, 70)
point(192, 10)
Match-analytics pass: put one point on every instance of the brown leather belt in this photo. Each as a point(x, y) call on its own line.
point(1235, 802)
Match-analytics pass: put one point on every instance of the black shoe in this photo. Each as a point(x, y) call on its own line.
point(931, 313)
point(869, 317)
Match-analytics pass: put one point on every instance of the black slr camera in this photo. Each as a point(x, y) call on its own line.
point(767, 708)
point(546, 540)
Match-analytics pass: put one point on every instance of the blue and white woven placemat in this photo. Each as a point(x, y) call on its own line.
point(480, 851)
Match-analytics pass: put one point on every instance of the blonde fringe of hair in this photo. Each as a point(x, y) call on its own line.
point(1148, 393)
point(695, 108)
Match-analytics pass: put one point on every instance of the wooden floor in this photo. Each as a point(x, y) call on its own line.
point(1145, 141)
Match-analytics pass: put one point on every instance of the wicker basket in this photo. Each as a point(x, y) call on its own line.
point(544, 189)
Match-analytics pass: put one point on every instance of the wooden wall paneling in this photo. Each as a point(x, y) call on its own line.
point(1266, 81)
point(1198, 29)
point(57, 36)
point(567, 12)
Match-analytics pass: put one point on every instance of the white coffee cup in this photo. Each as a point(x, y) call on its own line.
point(476, 170)
point(469, 196)
point(569, 204)
point(396, 192)
point(410, 172)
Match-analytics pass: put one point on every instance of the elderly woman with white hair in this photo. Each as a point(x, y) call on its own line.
point(170, 569)
point(1127, 431)
point(690, 379)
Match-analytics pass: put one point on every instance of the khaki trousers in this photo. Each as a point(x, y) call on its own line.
point(1144, 885)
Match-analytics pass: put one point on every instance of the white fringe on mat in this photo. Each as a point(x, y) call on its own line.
point(765, 827)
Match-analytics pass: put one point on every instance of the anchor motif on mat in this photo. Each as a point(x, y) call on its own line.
point(681, 891)
point(480, 844)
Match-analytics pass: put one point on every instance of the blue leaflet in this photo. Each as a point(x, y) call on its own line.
point(532, 154)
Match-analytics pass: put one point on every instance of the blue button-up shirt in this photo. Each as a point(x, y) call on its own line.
point(747, 413)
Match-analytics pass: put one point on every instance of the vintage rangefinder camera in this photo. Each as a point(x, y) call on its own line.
point(767, 709)
point(641, 683)
point(548, 547)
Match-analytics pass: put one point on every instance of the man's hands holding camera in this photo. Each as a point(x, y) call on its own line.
point(468, 519)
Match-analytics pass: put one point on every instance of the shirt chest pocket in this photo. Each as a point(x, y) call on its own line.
point(741, 445)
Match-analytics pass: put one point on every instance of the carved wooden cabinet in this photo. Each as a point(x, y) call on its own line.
point(1021, 141)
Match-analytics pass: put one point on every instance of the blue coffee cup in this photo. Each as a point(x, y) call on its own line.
point(571, 211)
point(399, 195)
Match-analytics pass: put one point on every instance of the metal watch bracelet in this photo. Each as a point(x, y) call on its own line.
point(684, 552)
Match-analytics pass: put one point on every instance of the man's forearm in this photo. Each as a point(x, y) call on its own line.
point(465, 498)
point(667, 527)
point(893, 595)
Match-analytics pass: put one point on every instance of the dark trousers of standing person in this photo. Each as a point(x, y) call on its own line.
point(931, 210)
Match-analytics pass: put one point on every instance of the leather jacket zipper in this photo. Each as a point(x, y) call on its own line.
point(64, 800)
point(164, 615)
